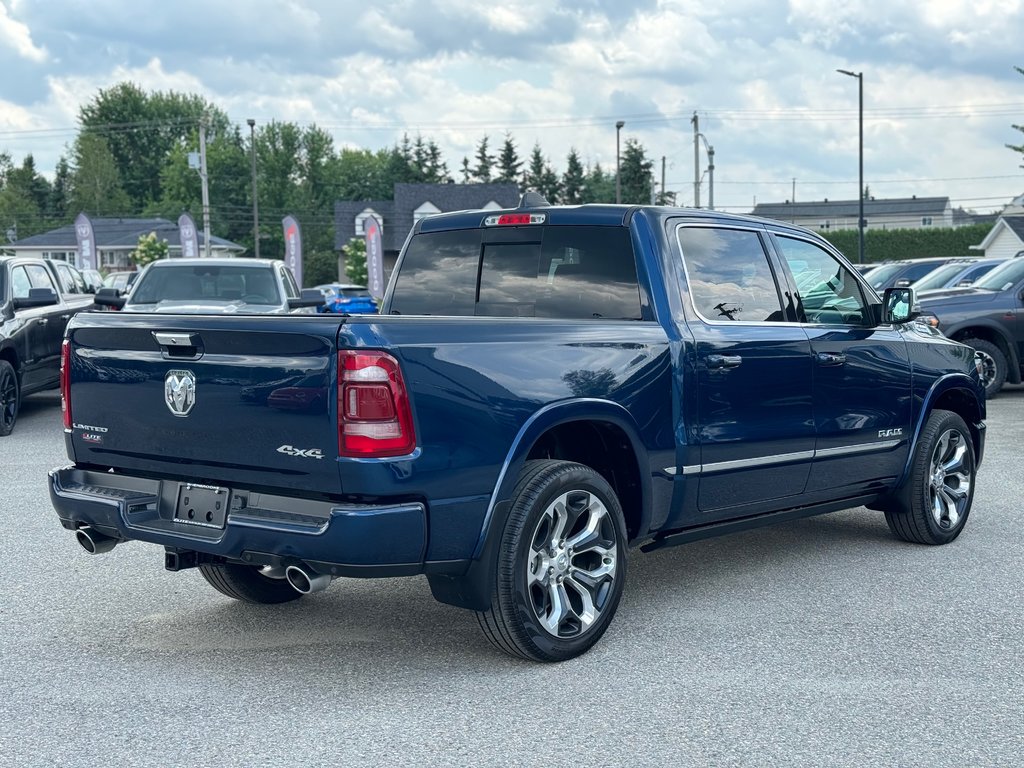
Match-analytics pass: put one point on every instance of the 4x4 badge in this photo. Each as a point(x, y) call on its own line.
point(180, 391)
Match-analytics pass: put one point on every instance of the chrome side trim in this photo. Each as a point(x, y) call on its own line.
point(782, 458)
point(761, 461)
point(846, 450)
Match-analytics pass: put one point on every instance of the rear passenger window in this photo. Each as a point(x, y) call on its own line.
point(552, 271)
point(729, 276)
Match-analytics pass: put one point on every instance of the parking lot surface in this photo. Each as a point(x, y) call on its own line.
point(819, 642)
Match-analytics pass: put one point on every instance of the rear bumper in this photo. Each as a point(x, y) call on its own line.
point(339, 539)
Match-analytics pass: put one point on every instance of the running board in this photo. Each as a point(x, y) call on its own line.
point(686, 535)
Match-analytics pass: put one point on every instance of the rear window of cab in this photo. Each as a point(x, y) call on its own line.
point(536, 271)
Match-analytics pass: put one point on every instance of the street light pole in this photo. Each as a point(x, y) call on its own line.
point(618, 179)
point(860, 153)
point(255, 202)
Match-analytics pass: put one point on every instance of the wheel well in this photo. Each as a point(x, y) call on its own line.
point(961, 402)
point(606, 449)
point(11, 357)
point(988, 334)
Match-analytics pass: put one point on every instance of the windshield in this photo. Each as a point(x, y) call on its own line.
point(1002, 277)
point(207, 284)
point(879, 276)
point(938, 278)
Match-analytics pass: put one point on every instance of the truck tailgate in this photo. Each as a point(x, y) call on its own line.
point(229, 393)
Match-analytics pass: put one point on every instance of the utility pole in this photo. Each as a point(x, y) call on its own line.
point(696, 161)
point(618, 162)
point(255, 200)
point(664, 198)
point(711, 176)
point(206, 186)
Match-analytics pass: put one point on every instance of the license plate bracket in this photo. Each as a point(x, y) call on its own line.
point(204, 505)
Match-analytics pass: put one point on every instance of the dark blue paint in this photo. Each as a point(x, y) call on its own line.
point(486, 391)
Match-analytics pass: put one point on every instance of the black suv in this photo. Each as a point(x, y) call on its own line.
point(987, 316)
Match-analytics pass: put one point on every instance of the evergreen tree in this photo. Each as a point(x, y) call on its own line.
point(437, 168)
point(59, 197)
point(509, 164)
point(573, 180)
point(599, 186)
point(484, 162)
point(467, 172)
point(637, 182)
point(534, 175)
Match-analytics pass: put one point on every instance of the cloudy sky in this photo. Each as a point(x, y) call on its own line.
point(940, 89)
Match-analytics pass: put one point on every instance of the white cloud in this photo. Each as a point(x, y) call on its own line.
point(17, 35)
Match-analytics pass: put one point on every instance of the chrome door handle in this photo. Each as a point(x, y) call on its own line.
point(827, 358)
point(719, 362)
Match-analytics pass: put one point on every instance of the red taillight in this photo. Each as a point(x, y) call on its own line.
point(374, 416)
point(65, 382)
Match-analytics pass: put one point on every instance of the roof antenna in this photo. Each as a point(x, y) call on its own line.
point(533, 199)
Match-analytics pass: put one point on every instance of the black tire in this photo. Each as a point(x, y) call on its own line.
point(10, 398)
point(993, 365)
point(247, 583)
point(934, 506)
point(564, 540)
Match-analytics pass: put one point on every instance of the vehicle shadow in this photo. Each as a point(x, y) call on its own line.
point(376, 625)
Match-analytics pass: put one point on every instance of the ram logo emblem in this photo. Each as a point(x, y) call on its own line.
point(897, 432)
point(180, 392)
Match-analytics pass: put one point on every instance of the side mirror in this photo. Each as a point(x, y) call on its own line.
point(899, 305)
point(37, 297)
point(109, 297)
point(311, 297)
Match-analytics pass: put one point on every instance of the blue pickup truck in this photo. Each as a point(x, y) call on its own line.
point(544, 389)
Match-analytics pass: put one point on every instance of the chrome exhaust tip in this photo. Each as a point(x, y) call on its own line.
point(304, 581)
point(94, 542)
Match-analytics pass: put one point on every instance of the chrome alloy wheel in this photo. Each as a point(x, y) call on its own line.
point(950, 484)
point(986, 367)
point(572, 563)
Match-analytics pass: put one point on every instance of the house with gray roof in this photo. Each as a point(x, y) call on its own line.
point(411, 203)
point(115, 241)
point(894, 213)
point(1005, 239)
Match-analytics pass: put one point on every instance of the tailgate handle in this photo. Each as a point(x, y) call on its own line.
point(178, 343)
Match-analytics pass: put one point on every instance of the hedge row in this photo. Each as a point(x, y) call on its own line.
point(886, 244)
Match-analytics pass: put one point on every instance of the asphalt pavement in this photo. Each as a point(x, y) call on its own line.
point(819, 642)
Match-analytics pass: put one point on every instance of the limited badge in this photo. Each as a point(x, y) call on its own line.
point(180, 391)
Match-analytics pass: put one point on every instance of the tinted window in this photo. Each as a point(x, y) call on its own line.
point(39, 276)
point(729, 275)
point(829, 292)
point(938, 278)
point(1004, 276)
point(20, 283)
point(914, 271)
point(207, 283)
point(66, 280)
point(881, 275)
point(558, 272)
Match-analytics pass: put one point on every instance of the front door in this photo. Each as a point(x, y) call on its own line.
point(862, 378)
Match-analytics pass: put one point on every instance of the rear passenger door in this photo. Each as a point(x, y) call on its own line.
point(755, 422)
point(862, 384)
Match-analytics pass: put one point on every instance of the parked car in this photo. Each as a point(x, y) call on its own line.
point(900, 274)
point(958, 273)
point(347, 299)
point(93, 279)
point(989, 316)
point(34, 312)
point(121, 281)
point(217, 286)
